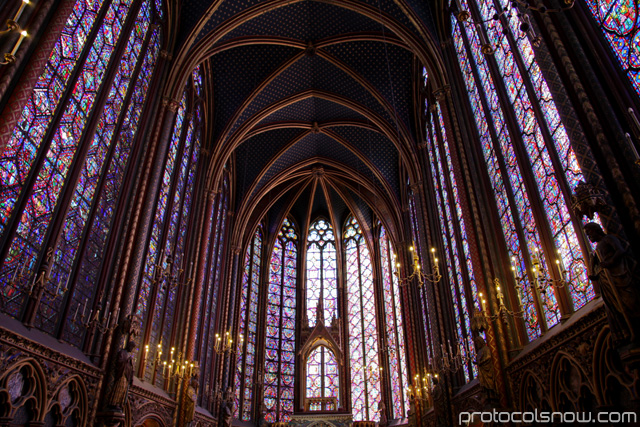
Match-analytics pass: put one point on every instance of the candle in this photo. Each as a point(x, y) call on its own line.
point(108, 321)
point(84, 307)
point(23, 34)
point(559, 266)
point(634, 118)
point(19, 13)
point(633, 147)
point(75, 315)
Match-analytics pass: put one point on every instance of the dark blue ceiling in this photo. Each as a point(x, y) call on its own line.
point(369, 79)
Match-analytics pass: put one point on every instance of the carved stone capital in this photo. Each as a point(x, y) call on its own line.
point(442, 92)
point(170, 104)
point(166, 55)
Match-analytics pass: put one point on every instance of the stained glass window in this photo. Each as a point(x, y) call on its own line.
point(394, 329)
point(323, 377)
point(424, 301)
point(362, 330)
point(540, 150)
point(165, 266)
point(53, 150)
point(321, 271)
point(455, 242)
point(619, 21)
point(280, 337)
point(206, 319)
point(245, 363)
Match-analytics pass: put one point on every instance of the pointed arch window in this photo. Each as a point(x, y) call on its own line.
point(205, 335)
point(281, 317)
point(65, 163)
point(323, 380)
point(248, 323)
point(158, 294)
point(321, 281)
point(530, 162)
point(396, 357)
point(362, 326)
point(620, 24)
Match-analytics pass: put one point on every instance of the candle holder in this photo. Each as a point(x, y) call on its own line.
point(503, 312)
point(95, 321)
point(541, 278)
point(167, 274)
point(225, 345)
point(417, 272)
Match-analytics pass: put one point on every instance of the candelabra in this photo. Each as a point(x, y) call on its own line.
point(417, 273)
point(541, 278)
point(422, 389)
point(175, 366)
point(94, 320)
point(167, 273)
point(451, 359)
point(225, 345)
point(503, 311)
point(518, 8)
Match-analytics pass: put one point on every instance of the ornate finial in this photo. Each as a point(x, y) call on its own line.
point(315, 128)
point(318, 172)
point(320, 313)
point(586, 200)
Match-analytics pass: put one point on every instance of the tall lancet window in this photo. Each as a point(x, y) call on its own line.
point(323, 379)
point(530, 164)
point(247, 328)
point(620, 24)
point(321, 271)
point(362, 327)
point(63, 168)
point(281, 316)
point(157, 296)
point(394, 331)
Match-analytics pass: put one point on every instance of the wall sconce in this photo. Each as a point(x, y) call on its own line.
point(13, 25)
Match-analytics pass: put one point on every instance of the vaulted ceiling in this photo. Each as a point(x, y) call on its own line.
point(314, 102)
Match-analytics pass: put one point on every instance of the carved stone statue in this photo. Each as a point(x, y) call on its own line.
point(411, 415)
point(439, 403)
point(382, 410)
point(614, 270)
point(228, 407)
point(190, 400)
point(486, 373)
point(123, 377)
